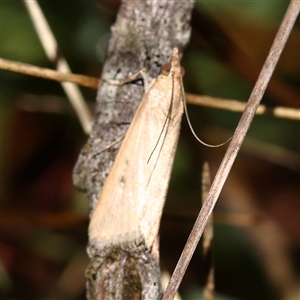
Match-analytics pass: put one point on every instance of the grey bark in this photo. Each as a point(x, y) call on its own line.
point(143, 37)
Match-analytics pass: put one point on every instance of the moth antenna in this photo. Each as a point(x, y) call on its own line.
point(165, 69)
point(165, 123)
point(162, 131)
point(190, 124)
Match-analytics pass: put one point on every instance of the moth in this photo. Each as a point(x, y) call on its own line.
point(123, 231)
point(129, 209)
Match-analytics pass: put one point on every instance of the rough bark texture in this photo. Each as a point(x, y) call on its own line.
point(143, 37)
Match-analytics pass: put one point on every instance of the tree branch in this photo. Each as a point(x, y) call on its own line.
point(143, 37)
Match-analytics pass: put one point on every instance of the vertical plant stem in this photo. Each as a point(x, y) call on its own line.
point(51, 48)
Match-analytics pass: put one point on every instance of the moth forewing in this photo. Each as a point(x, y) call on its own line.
point(130, 205)
point(159, 167)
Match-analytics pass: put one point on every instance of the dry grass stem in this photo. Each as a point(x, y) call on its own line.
point(208, 235)
point(93, 82)
point(51, 48)
point(233, 148)
point(26, 69)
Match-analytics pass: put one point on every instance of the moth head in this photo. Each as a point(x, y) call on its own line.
point(173, 66)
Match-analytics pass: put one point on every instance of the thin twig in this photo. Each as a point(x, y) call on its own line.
point(207, 242)
point(93, 82)
point(26, 69)
point(239, 106)
point(165, 278)
point(233, 148)
point(51, 48)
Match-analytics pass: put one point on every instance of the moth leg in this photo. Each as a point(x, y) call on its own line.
point(129, 79)
point(146, 78)
point(119, 139)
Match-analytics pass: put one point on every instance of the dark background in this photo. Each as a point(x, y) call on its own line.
point(44, 219)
